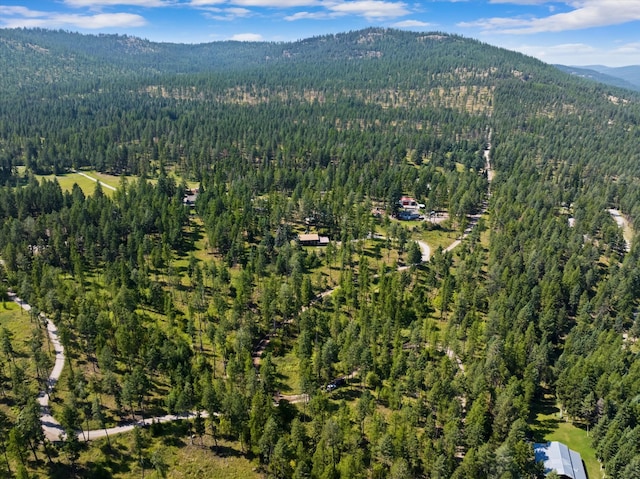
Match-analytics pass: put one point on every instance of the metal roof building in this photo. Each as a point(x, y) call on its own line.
point(558, 457)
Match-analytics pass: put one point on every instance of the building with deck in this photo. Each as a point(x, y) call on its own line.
point(313, 239)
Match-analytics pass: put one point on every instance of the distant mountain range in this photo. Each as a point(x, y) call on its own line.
point(623, 77)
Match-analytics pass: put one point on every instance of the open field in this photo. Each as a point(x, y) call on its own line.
point(67, 181)
point(87, 185)
point(437, 238)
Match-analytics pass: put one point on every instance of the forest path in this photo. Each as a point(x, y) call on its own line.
point(473, 219)
point(52, 429)
point(92, 435)
point(487, 159)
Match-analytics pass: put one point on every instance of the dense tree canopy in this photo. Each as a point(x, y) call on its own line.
point(433, 370)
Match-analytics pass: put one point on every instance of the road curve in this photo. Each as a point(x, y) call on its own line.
point(52, 429)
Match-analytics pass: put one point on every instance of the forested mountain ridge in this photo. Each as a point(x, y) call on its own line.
point(377, 68)
point(598, 76)
point(629, 73)
point(218, 307)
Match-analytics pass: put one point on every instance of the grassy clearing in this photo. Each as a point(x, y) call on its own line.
point(549, 426)
point(438, 238)
point(67, 181)
point(88, 186)
point(110, 180)
point(18, 323)
point(288, 375)
point(182, 457)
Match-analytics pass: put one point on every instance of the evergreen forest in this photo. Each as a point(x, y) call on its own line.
point(209, 246)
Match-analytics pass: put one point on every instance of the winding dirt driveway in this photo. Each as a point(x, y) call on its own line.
point(426, 255)
point(53, 431)
point(261, 347)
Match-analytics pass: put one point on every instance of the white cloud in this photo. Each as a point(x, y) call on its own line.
point(247, 37)
point(321, 15)
point(227, 14)
point(20, 11)
point(371, 9)
point(275, 3)
point(582, 53)
point(584, 14)
point(521, 2)
point(204, 3)
point(61, 20)
point(628, 48)
point(552, 51)
point(411, 24)
point(103, 3)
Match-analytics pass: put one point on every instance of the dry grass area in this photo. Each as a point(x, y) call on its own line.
point(469, 98)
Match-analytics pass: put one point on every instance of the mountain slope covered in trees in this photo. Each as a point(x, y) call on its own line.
point(599, 76)
point(438, 369)
point(629, 73)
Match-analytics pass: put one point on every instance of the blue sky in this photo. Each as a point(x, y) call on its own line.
point(573, 32)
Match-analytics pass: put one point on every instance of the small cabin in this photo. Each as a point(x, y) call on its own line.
point(313, 239)
point(190, 197)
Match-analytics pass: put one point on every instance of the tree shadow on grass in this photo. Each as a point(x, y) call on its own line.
point(226, 451)
point(116, 461)
point(346, 393)
point(171, 432)
point(281, 384)
point(545, 415)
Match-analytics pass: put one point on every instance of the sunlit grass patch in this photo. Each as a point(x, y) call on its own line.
point(549, 426)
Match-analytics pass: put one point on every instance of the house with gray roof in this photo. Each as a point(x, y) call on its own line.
point(559, 458)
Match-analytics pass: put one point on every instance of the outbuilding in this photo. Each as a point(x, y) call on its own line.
point(313, 239)
point(557, 457)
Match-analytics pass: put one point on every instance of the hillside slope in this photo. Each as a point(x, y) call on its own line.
point(598, 76)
